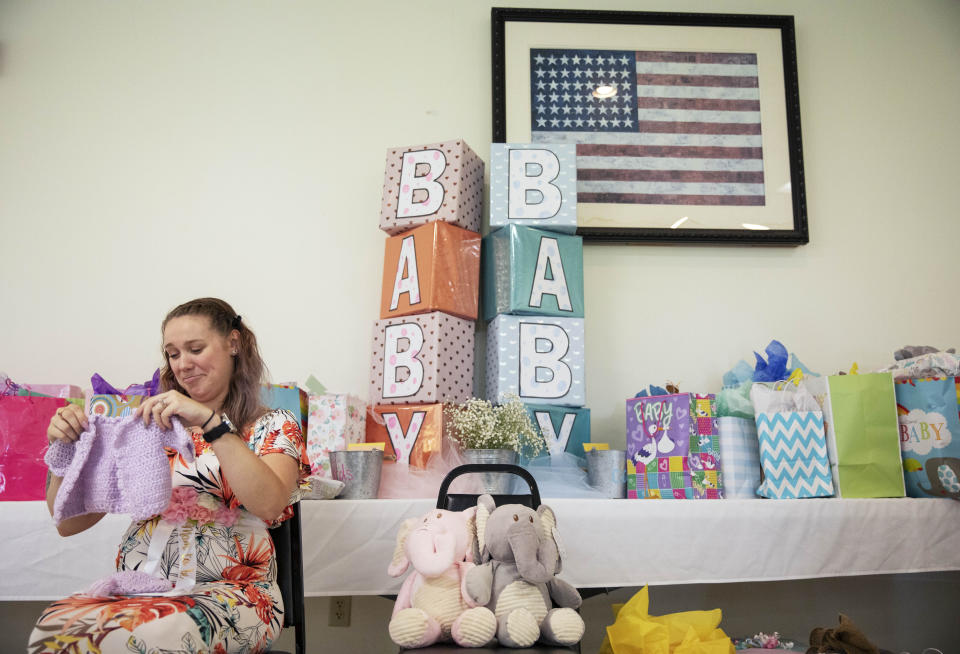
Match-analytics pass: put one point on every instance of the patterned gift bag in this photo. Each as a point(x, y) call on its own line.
point(113, 405)
point(927, 410)
point(793, 455)
point(335, 420)
point(672, 447)
point(740, 457)
point(793, 443)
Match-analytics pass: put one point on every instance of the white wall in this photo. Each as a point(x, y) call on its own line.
point(152, 152)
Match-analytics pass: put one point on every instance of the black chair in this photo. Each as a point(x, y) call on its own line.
point(289, 550)
point(461, 501)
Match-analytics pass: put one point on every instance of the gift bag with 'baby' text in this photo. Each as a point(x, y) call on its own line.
point(927, 409)
point(672, 447)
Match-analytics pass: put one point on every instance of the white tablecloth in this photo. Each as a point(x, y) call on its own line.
point(609, 543)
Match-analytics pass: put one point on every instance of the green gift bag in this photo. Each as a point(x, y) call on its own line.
point(863, 437)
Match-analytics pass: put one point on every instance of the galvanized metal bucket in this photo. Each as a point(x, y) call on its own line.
point(359, 470)
point(495, 483)
point(607, 472)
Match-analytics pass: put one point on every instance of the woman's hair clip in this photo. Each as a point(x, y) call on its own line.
point(236, 322)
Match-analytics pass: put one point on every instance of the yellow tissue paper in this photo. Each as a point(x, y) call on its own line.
point(595, 446)
point(635, 631)
point(796, 376)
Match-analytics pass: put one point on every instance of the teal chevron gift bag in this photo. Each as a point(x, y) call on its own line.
point(793, 444)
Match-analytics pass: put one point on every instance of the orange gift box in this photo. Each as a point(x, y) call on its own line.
point(412, 433)
point(434, 267)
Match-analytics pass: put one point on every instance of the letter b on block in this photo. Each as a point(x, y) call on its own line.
point(424, 183)
point(534, 185)
point(538, 359)
point(422, 359)
point(543, 373)
point(532, 192)
point(402, 369)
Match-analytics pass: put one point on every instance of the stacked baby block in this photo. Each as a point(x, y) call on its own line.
point(423, 342)
point(533, 290)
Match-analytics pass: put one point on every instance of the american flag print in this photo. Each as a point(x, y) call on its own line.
point(683, 127)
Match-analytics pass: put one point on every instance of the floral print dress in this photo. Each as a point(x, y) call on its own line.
point(226, 597)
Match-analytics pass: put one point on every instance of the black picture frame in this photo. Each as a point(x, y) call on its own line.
point(517, 31)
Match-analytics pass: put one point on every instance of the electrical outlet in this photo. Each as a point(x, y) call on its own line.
point(339, 611)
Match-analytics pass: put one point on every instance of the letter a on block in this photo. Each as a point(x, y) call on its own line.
point(531, 193)
point(409, 334)
point(543, 374)
point(403, 443)
point(556, 444)
point(549, 256)
point(411, 182)
point(411, 283)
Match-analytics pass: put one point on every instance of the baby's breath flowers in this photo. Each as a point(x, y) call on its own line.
point(478, 425)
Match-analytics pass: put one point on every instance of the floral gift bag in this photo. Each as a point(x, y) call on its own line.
point(334, 420)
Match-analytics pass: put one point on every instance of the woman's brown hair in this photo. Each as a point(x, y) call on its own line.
point(242, 403)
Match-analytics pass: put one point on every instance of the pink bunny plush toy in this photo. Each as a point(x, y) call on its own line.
point(432, 605)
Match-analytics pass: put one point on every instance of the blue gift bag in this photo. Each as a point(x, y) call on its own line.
point(927, 410)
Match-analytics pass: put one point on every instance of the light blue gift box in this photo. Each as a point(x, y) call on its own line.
point(534, 185)
point(564, 429)
point(538, 359)
point(531, 272)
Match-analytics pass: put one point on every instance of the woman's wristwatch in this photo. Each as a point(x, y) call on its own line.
point(216, 432)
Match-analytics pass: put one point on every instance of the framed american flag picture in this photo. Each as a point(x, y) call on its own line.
point(686, 126)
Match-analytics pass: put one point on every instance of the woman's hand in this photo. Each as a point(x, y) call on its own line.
point(160, 408)
point(67, 424)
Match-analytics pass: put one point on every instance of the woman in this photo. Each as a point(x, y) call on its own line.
point(243, 479)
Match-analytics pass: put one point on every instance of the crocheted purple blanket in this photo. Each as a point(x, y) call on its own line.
point(116, 466)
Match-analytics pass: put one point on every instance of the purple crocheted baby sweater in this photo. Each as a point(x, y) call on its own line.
point(116, 466)
point(128, 582)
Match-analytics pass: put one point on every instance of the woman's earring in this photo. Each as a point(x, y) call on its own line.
point(234, 353)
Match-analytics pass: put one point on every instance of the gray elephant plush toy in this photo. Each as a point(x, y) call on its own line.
point(519, 559)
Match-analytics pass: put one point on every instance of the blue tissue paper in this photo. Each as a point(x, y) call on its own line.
point(775, 366)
